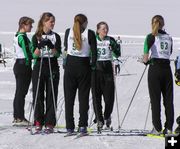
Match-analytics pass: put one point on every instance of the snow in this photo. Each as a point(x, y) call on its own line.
point(127, 18)
point(126, 82)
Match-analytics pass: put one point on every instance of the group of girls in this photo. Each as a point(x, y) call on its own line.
point(87, 65)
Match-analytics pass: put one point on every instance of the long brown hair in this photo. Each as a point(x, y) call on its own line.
point(44, 18)
point(79, 20)
point(157, 23)
point(24, 21)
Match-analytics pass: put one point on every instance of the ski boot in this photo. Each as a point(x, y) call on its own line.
point(99, 127)
point(155, 132)
point(82, 132)
point(167, 131)
point(70, 132)
point(108, 124)
point(177, 130)
point(49, 129)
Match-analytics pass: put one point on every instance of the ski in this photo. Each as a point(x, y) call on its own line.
point(91, 132)
point(80, 135)
point(44, 132)
point(110, 134)
point(126, 134)
point(20, 126)
point(36, 132)
point(13, 127)
point(120, 131)
point(161, 136)
point(156, 136)
point(70, 134)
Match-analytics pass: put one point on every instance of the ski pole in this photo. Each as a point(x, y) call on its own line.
point(123, 65)
point(133, 96)
point(52, 85)
point(37, 91)
point(117, 106)
point(147, 116)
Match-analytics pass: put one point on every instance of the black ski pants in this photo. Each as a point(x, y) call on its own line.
point(77, 76)
point(104, 88)
point(160, 82)
point(22, 74)
point(44, 109)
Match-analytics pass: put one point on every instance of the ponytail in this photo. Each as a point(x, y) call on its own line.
point(79, 20)
point(157, 23)
point(155, 28)
point(77, 35)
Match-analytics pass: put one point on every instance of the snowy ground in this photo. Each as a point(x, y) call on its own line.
point(124, 18)
point(16, 138)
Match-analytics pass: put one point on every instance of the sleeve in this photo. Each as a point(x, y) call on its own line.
point(34, 46)
point(93, 47)
point(114, 46)
point(149, 41)
point(58, 45)
point(66, 39)
point(24, 44)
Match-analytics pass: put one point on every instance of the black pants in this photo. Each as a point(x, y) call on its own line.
point(22, 74)
point(160, 81)
point(77, 75)
point(104, 87)
point(45, 112)
point(117, 69)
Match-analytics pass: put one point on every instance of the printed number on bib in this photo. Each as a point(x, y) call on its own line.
point(164, 45)
point(101, 51)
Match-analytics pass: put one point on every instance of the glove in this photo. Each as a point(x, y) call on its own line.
point(41, 44)
point(177, 74)
point(49, 44)
point(146, 63)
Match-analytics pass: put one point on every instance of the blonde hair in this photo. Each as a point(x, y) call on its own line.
point(44, 18)
point(24, 21)
point(157, 23)
point(79, 20)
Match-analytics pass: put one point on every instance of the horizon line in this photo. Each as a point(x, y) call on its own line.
point(114, 35)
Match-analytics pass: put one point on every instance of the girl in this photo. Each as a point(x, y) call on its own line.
point(106, 48)
point(80, 44)
point(46, 44)
point(177, 81)
point(22, 69)
point(159, 74)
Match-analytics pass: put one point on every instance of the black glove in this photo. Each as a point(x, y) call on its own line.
point(41, 44)
point(177, 74)
point(145, 63)
point(49, 44)
point(148, 62)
